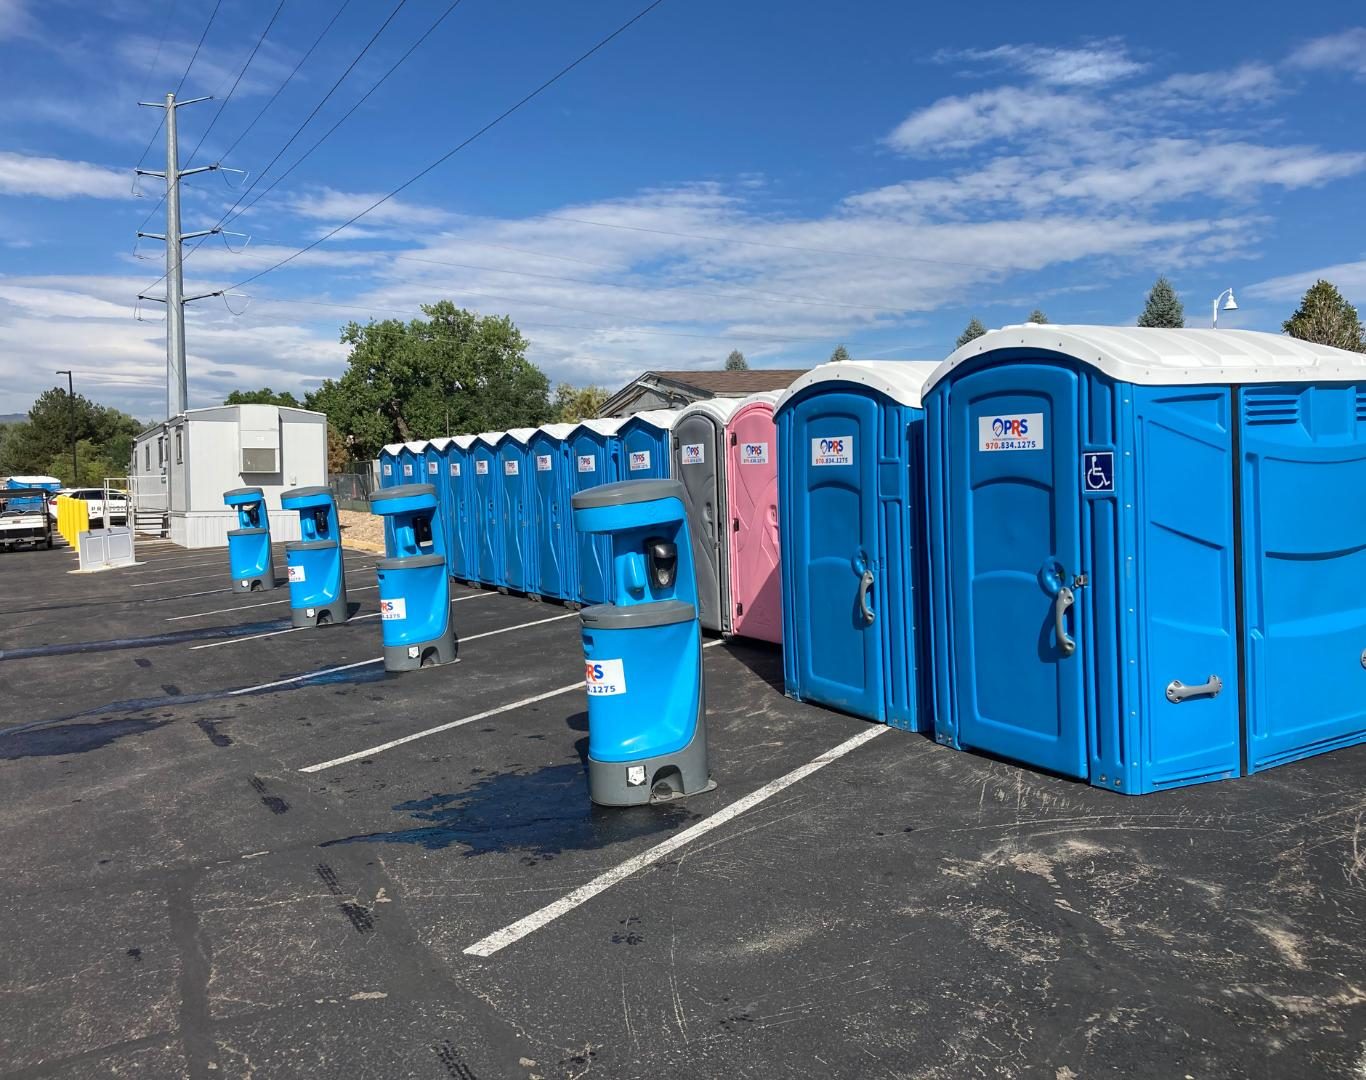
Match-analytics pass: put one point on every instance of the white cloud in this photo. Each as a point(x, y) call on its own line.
point(333, 207)
point(1093, 64)
point(1344, 51)
point(15, 20)
point(1350, 277)
point(1247, 83)
point(56, 178)
point(1005, 114)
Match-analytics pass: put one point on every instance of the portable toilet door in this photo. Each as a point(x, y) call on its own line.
point(755, 558)
point(851, 525)
point(517, 553)
point(699, 463)
point(595, 452)
point(487, 511)
point(436, 473)
point(461, 540)
point(551, 525)
point(1101, 496)
point(645, 446)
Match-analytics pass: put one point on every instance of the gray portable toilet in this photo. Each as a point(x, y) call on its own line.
point(699, 453)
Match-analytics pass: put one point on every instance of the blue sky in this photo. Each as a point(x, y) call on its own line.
point(778, 178)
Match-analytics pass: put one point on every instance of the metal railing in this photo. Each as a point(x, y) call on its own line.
point(351, 489)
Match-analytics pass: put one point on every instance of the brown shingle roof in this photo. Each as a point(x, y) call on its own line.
point(730, 383)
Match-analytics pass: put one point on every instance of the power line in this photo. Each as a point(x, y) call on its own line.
point(460, 146)
point(779, 247)
point(156, 55)
point(185, 75)
point(397, 64)
point(297, 131)
point(744, 336)
point(288, 78)
point(221, 106)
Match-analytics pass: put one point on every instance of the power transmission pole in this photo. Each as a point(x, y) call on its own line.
point(175, 299)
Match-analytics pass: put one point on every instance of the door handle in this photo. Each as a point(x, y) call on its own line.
point(864, 584)
point(1177, 691)
point(1061, 602)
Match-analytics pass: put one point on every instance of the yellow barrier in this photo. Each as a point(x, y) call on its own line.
point(73, 518)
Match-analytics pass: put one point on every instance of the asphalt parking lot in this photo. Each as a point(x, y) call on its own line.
point(228, 849)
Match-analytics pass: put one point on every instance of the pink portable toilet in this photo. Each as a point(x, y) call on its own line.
point(756, 598)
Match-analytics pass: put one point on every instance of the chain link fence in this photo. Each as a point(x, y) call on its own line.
point(352, 489)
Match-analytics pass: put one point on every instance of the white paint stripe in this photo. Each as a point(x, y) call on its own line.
point(205, 577)
point(443, 727)
point(213, 558)
point(354, 618)
point(464, 720)
point(501, 939)
point(248, 607)
point(301, 678)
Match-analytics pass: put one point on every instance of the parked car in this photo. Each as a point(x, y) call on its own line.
point(94, 500)
point(24, 518)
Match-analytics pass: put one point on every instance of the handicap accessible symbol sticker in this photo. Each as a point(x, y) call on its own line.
point(604, 677)
point(390, 610)
point(1098, 471)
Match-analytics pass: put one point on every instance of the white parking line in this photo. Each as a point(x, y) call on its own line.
point(301, 678)
point(501, 939)
point(466, 719)
point(248, 607)
point(204, 577)
point(371, 615)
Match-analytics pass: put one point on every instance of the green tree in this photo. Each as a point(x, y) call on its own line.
point(575, 403)
point(452, 371)
point(1324, 316)
point(264, 396)
point(1163, 306)
point(840, 355)
point(42, 443)
point(736, 361)
point(971, 332)
point(1037, 316)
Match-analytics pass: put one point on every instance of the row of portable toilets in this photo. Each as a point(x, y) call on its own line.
point(1136, 557)
point(505, 503)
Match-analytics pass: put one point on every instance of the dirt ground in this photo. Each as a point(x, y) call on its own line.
point(361, 530)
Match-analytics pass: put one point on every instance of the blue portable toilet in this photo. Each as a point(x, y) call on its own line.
point(486, 514)
point(461, 541)
point(595, 459)
point(647, 734)
point(552, 541)
point(514, 531)
point(414, 586)
point(852, 537)
point(390, 471)
point(1126, 519)
point(410, 461)
point(438, 456)
point(645, 444)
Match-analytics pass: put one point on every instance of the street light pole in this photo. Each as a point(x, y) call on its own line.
point(71, 400)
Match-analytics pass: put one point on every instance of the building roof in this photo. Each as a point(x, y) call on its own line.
point(696, 384)
point(1169, 357)
point(903, 381)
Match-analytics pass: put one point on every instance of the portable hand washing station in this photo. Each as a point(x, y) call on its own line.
point(647, 734)
point(249, 556)
point(317, 582)
point(414, 589)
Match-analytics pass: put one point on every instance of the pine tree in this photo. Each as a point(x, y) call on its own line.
point(971, 332)
point(1163, 307)
point(1037, 316)
point(1324, 316)
point(736, 361)
point(840, 355)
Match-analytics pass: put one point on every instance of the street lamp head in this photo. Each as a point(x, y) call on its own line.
point(1230, 304)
